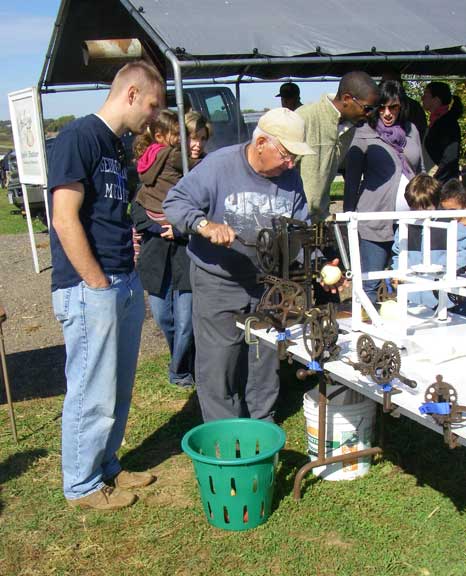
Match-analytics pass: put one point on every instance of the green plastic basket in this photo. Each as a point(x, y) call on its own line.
point(235, 461)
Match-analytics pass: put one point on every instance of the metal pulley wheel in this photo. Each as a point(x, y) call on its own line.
point(366, 350)
point(280, 302)
point(312, 337)
point(329, 329)
point(440, 391)
point(267, 250)
point(387, 364)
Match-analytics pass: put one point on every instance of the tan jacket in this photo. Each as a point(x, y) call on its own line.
point(330, 141)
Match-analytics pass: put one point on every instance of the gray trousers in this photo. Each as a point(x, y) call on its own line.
point(230, 381)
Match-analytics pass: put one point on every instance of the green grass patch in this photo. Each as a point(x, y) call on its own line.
point(406, 517)
point(13, 222)
point(11, 219)
point(337, 190)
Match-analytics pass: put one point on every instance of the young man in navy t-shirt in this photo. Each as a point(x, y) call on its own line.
point(96, 293)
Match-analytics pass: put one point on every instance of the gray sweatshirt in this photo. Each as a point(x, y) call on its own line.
point(224, 188)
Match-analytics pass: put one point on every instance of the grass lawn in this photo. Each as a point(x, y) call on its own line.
point(406, 517)
point(6, 143)
point(336, 190)
point(12, 221)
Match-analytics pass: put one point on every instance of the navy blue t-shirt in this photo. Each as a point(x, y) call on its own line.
point(86, 151)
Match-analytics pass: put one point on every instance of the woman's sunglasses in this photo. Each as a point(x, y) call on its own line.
point(392, 108)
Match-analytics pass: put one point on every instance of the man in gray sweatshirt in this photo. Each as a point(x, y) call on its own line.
point(236, 191)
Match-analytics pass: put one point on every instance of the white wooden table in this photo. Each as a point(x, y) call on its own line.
point(433, 348)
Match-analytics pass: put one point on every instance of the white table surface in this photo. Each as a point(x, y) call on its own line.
point(420, 365)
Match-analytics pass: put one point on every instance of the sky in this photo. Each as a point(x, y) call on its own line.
point(25, 31)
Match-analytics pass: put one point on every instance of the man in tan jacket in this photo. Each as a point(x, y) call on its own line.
point(330, 125)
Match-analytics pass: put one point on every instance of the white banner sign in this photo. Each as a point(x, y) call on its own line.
point(28, 136)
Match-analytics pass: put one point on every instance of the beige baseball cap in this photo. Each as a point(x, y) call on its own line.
point(288, 128)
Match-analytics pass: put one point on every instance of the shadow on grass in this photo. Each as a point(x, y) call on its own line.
point(17, 464)
point(413, 448)
point(421, 452)
point(38, 373)
point(165, 442)
point(291, 461)
point(290, 399)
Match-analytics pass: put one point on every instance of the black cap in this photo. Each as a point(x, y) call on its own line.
point(288, 90)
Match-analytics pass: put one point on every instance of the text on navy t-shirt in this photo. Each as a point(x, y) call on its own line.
point(86, 152)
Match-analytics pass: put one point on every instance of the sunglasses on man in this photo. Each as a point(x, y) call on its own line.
point(368, 108)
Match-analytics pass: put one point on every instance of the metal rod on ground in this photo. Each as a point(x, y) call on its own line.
point(5, 376)
point(340, 458)
point(321, 459)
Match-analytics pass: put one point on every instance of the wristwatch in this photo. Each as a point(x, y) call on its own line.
point(202, 224)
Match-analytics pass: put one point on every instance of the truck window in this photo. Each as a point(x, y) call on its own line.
point(171, 102)
point(217, 109)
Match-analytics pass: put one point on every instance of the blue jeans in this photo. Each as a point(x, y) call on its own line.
point(374, 256)
point(172, 311)
point(102, 331)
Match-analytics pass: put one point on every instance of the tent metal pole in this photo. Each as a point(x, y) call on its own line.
point(57, 30)
point(85, 88)
point(367, 59)
point(247, 80)
point(238, 106)
point(44, 188)
point(180, 108)
point(171, 57)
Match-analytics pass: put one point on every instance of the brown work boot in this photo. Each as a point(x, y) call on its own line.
point(128, 480)
point(107, 498)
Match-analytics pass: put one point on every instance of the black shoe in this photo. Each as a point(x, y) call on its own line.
point(184, 384)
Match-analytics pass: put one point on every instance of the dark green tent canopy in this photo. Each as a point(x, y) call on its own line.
point(265, 39)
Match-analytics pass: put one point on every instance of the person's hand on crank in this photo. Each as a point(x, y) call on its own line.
point(220, 234)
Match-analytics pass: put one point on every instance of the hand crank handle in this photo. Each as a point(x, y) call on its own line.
point(302, 374)
point(408, 381)
point(245, 242)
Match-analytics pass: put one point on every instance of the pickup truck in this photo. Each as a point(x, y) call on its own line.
point(217, 104)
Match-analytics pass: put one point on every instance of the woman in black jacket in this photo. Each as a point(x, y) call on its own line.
point(163, 264)
point(443, 139)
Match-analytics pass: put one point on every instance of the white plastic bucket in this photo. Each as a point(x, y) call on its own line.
point(350, 428)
